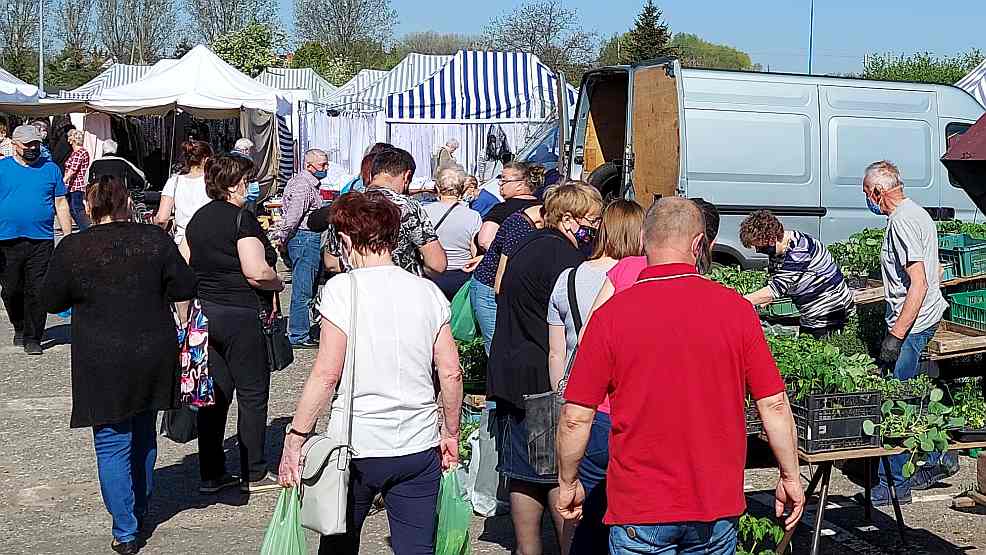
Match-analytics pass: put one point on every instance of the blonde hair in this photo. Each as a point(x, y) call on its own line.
point(575, 198)
point(76, 137)
point(450, 181)
point(619, 230)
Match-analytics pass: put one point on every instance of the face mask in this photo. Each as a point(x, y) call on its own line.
point(770, 250)
point(585, 236)
point(874, 207)
point(253, 191)
point(31, 154)
point(320, 174)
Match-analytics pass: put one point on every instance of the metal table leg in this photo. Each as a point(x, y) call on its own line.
point(893, 498)
point(813, 483)
point(825, 469)
point(868, 490)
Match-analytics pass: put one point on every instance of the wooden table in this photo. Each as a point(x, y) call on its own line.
point(824, 473)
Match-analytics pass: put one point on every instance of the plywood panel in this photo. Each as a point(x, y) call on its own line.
point(593, 154)
point(656, 137)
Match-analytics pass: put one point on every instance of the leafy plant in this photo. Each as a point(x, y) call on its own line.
point(734, 277)
point(969, 404)
point(921, 428)
point(860, 254)
point(472, 359)
point(810, 366)
point(755, 535)
point(465, 448)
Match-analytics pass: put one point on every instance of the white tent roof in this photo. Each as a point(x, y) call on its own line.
point(14, 91)
point(410, 71)
point(291, 79)
point(199, 83)
point(361, 81)
point(975, 83)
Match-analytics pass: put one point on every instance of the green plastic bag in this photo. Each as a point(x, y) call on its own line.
point(454, 517)
point(285, 536)
point(463, 320)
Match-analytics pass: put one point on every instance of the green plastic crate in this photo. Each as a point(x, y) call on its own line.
point(948, 271)
point(781, 308)
point(967, 255)
point(969, 309)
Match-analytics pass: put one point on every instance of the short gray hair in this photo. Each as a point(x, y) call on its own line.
point(315, 155)
point(243, 144)
point(450, 181)
point(671, 221)
point(882, 175)
point(454, 143)
point(109, 146)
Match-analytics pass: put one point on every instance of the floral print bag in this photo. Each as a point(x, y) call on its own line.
point(195, 384)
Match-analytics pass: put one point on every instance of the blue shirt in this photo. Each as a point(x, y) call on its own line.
point(27, 199)
point(484, 202)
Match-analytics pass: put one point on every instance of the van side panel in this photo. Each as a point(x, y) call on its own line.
point(655, 124)
point(862, 125)
point(752, 145)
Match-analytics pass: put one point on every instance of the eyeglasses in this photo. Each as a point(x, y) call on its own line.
point(502, 180)
point(592, 221)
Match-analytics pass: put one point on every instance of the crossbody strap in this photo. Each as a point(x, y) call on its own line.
point(447, 212)
point(349, 367)
point(573, 301)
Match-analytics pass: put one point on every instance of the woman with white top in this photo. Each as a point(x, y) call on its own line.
point(402, 332)
point(184, 193)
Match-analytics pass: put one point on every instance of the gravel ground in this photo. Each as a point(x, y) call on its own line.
point(50, 502)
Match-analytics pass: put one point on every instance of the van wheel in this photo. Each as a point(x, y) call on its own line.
point(606, 178)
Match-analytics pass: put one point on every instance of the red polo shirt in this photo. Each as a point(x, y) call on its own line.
point(677, 357)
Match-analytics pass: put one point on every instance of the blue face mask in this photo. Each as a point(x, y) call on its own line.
point(320, 174)
point(874, 207)
point(253, 191)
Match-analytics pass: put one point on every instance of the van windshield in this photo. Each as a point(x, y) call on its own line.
point(542, 148)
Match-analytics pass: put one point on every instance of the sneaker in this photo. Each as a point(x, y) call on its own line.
point(126, 548)
point(305, 344)
point(33, 348)
point(267, 483)
point(209, 487)
point(880, 496)
point(18, 338)
point(930, 475)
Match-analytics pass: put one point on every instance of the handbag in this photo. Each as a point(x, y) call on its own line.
point(324, 487)
point(543, 410)
point(180, 425)
point(280, 355)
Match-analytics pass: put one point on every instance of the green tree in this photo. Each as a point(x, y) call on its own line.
point(72, 67)
point(650, 37)
point(923, 67)
point(610, 54)
point(695, 52)
point(251, 49)
point(336, 69)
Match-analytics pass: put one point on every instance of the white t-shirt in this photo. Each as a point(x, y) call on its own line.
point(398, 317)
point(189, 195)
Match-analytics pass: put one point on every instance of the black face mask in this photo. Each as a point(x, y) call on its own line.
point(31, 153)
point(770, 250)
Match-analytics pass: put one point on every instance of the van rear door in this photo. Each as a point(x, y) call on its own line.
point(656, 127)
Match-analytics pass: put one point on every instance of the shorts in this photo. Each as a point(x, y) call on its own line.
point(510, 432)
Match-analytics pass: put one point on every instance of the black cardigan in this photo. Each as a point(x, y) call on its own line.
point(119, 279)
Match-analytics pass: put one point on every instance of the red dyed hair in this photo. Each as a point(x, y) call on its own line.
point(366, 166)
point(370, 220)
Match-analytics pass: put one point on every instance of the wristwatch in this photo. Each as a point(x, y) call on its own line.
point(291, 431)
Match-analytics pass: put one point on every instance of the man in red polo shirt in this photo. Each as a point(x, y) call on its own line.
point(677, 355)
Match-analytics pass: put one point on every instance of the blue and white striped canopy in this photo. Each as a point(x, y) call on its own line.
point(482, 85)
point(975, 83)
point(287, 79)
point(114, 76)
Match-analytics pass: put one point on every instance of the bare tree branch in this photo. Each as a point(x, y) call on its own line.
point(18, 27)
point(345, 26)
point(137, 31)
point(76, 24)
point(215, 18)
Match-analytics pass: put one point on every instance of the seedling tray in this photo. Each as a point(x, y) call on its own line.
point(781, 308)
point(834, 422)
point(966, 254)
point(753, 423)
point(969, 309)
point(969, 435)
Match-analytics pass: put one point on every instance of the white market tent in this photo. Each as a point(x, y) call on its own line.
point(14, 91)
point(114, 76)
point(974, 83)
point(297, 79)
point(200, 83)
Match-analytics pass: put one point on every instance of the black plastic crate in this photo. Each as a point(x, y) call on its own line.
point(753, 423)
point(834, 422)
point(967, 435)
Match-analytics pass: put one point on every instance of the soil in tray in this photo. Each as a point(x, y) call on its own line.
point(967, 435)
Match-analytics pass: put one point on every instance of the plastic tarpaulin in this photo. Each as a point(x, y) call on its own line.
point(965, 160)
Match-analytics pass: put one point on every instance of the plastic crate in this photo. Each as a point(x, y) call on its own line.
point(968, 309)
point(948, 271)
point(834, 422)
point(782, 308)
point(966, 254)
point(753, 423)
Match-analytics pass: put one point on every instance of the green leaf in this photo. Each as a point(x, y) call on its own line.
point(936, 395)
point(927, 445)
point(956, 422)
point(869, 428)
point(908, 469)
point(910, 443)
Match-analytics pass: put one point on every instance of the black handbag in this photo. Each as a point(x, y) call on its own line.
point(180, 425)
point(280, 354)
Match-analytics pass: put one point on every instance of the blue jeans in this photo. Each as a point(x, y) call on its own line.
point(78, 209)
point(483, 301)
point(591, 535)
point(905, 369)
point(707, 538)
point(125, 456)
point(303, 249)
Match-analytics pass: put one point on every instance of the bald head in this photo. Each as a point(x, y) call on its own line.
point(672, 223)
point(881, 176)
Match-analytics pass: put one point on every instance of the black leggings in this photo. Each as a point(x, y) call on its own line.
point(238, 363)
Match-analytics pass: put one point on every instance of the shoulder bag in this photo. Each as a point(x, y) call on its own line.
point(324, 487)
point(543, 410)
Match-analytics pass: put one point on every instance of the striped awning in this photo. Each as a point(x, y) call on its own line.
point(307, 79)
point(482, 85)
point(975, 83)
point(410, 71)
point(114, 76)
point(347, 93)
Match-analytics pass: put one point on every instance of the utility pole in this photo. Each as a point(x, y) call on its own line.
point(41, 48)
point(811, 32)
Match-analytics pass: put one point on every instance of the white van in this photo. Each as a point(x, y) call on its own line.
point(794, 144)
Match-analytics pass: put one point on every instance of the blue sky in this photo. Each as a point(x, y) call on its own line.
point(773, 32)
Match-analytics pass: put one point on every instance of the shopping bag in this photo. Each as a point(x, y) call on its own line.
point(180, 425)
point(463, 320)
point(285, 536)
point(454, 517)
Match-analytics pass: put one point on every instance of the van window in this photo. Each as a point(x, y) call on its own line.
point(954, 129)
point(856, 142)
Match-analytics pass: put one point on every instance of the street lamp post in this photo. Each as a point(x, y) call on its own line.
point(811, 32)
point(41, 48)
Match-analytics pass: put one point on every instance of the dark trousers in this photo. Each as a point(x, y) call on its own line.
point(450, 281)
point(24, 268)
point(238, 363)
point(409, 485)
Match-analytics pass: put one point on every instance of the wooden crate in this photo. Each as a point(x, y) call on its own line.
point(954, 340)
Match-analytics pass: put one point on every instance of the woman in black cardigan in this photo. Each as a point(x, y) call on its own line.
point(120, 278)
